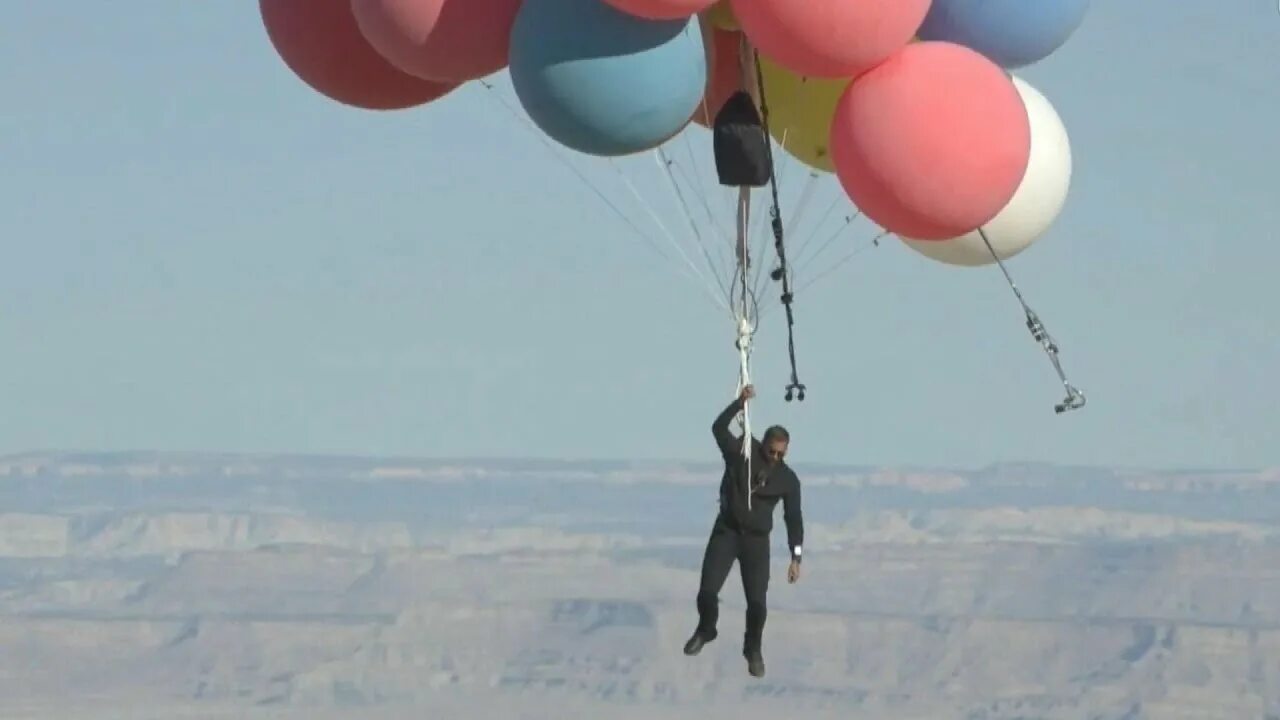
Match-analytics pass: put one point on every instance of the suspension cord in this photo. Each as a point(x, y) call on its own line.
point(745, 318)
point(745, 330)
point(795, 388)
point(1075, 398)
point(748, 315)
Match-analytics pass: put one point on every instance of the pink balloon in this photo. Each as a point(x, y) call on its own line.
point(932, 143)
point(661, 9)
point(442, 40)
point(319, 41)
point(829, 38)
point(725, 77)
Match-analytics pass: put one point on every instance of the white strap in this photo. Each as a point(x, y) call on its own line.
point(744, 328)
point(744, 379)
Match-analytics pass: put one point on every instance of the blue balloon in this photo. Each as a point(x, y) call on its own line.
point(1012, 33)
point(604, 82)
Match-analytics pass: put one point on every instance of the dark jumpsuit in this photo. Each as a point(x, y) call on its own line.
point(743, 535)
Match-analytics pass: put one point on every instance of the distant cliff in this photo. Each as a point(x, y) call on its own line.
point(312, 587)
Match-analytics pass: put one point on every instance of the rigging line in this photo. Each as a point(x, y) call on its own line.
point(776, 217)
point(765, 237)
point(839, 198)
point(1074, 399)
point(644, 203)
point(713, 242)
point(741, 250)
point(758, 230)
point(797, 217)
point(695, 168)
point(805, 195)
point(660, 157)
point(875, 242)
point(745, 331)
point(740, 287)
point(749, 299)
point(829, 242)
point(716, 229)
point(558, 155)
point(744, 258)
point(807, 241)
point(801, 204)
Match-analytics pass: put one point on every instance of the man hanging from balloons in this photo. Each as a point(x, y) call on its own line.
point(909, 103)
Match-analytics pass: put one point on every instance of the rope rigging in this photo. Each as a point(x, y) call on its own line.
point(795, 387)
point(746, 330)
point(737, 292)
point(1074, 399)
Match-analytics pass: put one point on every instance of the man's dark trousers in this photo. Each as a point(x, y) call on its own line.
point(751, 551)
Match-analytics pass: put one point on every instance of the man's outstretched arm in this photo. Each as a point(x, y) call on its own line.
point(728, 444)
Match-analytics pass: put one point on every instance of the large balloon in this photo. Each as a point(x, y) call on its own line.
point(320, 42)
point(1013, 33)
point(443, 40)
point(829, 38)
point(932, 143)
point(661, 9)
point(1035, 205)
point(725, 76)
point(800, 112)
point(603, 82)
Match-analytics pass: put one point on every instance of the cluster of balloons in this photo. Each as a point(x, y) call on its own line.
point(910, 103)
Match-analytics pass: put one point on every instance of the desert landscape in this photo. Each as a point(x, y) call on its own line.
point(217, 586)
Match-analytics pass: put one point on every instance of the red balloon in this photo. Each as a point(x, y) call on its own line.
point(932, 143)
point(319, 41)
point(661, 9)
point(725, 76)
point(441, 40)
point(829, 38)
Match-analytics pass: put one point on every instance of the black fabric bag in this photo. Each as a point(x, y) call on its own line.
point(741, 144)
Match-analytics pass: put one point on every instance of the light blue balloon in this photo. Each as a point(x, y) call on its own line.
point(603, 82)
point(1012, 33)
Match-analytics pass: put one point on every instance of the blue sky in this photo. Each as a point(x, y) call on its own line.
point(200, 253)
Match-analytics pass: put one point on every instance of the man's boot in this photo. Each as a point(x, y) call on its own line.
point(708, 615)
point(700, 638)
point(755, 662)
point(694, 645)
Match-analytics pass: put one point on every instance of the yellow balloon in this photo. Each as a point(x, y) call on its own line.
point(721, 15)
point(800, 112)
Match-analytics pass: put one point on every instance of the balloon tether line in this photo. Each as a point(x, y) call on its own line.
point(795, 387)
point(1075, 399)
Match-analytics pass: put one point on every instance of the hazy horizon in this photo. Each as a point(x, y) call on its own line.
point(709, 461)
point(312, 588)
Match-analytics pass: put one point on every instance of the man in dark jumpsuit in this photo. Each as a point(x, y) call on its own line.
point(742, 534)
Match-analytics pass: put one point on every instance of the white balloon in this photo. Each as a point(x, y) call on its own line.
point(1034, 206)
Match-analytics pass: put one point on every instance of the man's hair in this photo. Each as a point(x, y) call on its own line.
point(777, 432)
